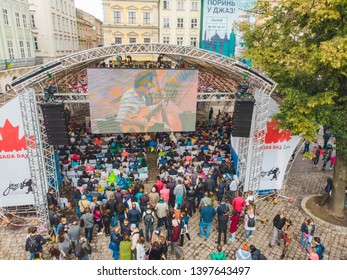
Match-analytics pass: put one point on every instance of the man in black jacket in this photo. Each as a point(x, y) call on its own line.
point(278, 223)
point(223, 226)
point(51, 198)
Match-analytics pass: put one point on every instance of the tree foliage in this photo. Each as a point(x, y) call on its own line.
point(302, 45)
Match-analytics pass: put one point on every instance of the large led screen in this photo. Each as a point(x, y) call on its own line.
point(142, 100)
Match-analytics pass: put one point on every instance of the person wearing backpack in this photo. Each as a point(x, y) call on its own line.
point(34, 243)
point(249, 222)
point(148, 220)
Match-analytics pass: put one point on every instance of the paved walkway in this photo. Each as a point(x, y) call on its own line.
point(303, 180)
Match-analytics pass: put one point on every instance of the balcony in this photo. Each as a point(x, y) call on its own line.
point(23, 62)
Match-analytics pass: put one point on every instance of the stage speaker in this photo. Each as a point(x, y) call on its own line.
point(242, 118)
point(55, 120)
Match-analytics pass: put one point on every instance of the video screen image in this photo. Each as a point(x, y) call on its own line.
point(142, 100)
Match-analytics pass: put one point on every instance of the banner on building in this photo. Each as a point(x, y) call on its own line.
point(218, 32)
point(279, 146)
point(15, 179)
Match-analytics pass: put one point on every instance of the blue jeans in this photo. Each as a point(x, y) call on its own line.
point(305, 241)
point(232, 237)
point(88, 232)
point(204, 225)
point(115, 254)
point(248, 233)
point(149, 231)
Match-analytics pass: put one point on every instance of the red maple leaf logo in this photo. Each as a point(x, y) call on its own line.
point(274, 134)
point(9, 138)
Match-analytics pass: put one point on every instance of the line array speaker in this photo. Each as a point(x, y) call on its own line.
point(242, 118)
point(55, 120)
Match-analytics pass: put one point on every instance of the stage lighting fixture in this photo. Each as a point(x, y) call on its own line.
point(180, 58)
point(119, 58)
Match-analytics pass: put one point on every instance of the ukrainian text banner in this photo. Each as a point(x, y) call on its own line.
point(219, 33)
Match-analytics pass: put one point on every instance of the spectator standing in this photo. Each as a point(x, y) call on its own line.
point(234, 221)
point(34, 243)
point(175, 236)
point(134, 238)
point(307, 232)
point(88, 223)
point(74, 234)
point(223, 226)
point(249, 222)
point(115, 238)
point(162, 209)
point(134, 215)
point(316, 243)
point(238, 203)
point(140, 249)
point(125, 248)
point(287, 236)
point(278, 223)
point(206, 218)
point(148, 220)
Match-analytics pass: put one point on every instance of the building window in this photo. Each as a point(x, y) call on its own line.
point(54, 24)
point(117, 17)
point(131, 17)
point(4, 12)
point(180, 41)
point(28, 49)
point(166, 22)
point(132, 40)
point(194, 5)
point(146, 18)
point(17, 19)
point(166, 5)
point(118, 40)
point(36, 44)
point(193, 41)
point(194, 23)
point(10, 49)
point(25, 24)
point(180, 5)
point(146, 40)
point(180, 22)
point(166, 40)
point(32, 21)
point(21, 47)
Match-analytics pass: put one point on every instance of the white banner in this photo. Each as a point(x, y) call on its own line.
point(15, 179)
point(278, 148)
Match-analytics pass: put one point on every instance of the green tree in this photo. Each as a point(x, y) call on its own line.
point(302, 45)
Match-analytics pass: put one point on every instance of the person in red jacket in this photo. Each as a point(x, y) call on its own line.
point(159, 184)
point(234, 221)
point(175, 237)
point(238, 203)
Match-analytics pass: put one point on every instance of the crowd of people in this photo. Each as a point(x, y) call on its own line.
point(196, 176)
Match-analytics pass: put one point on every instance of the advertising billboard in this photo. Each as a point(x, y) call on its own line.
point(218, 31)
point(15, 179)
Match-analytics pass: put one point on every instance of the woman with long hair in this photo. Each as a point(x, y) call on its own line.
point(287, 236)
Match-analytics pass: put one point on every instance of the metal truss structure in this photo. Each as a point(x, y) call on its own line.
point(251, 149)
point(40, 154)
point(83, 97)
